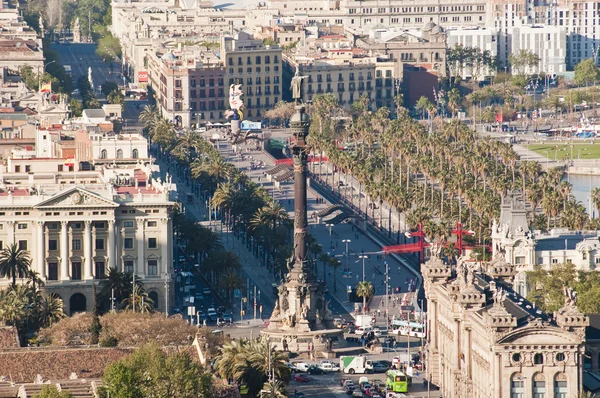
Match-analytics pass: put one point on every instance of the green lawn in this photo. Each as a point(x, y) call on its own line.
point(562, 150)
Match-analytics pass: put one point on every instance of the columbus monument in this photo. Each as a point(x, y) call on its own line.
point(301, 319)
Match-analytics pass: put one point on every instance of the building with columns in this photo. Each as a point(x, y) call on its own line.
point(486, 340)
point(78, 224)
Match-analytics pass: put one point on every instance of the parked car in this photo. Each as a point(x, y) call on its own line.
point(315, 370)
point(206, 291)
point(292, 367)
point(377, 332)
point(345, 380)
point(301, 378)
point(357, 394)
point(212, 314)
point(227, 317)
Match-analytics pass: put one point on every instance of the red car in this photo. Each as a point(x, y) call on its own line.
point(301, 378)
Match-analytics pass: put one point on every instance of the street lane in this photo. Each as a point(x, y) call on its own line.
point(81, 56)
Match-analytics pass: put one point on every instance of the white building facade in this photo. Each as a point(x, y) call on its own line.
point(78, 225)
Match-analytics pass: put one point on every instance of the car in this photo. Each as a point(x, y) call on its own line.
point(75, 92)
point(357, 394)
point(212, 314)
point(199, 296)
point(363, 330)
point(301, 379)
point(206, 291)
point(365, 387)
point(377, 332)
point(329, 367)
point(315, 370)
point(292, 367)
point(344, 380)
point(349, 389)
point(227, 317)
point(379, 367)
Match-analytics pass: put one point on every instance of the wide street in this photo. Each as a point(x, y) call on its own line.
point(81, 56)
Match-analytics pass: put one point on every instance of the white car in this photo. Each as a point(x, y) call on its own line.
point(329, 367)
point(377, 332)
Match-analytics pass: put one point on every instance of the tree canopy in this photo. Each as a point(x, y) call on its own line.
point(586, 72)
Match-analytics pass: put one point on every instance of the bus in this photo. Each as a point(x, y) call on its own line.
point(396, 381)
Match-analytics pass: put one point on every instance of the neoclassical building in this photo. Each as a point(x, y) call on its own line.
point(512, 240)
point(78, 224)
point(486, 340)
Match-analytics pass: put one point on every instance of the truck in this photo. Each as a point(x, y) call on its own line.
point(356, 364)
point(363, 320)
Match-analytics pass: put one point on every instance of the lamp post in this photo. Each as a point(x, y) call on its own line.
point(330, 226)
point(363, 257)
point(346, 241)
point(133, 290)
point(167, 294)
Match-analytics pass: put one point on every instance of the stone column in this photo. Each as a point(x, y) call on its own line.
point(87, 251)
point(139, 237)
point(94, 253)
point(64, 251)
point(41, 261)
point(11, 232)
point(164, 247)
point(121, 266)
point(111, 245)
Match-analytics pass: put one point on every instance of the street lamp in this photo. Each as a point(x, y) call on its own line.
point(363, 257)
point(167, 278)
point(346, 241)
point(43, 71)
point(330, 226)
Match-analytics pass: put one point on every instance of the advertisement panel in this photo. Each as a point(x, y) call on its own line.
point(142, 76)
point(249, 125)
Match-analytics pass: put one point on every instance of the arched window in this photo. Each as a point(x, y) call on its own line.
point(154, 297)
point(560, 385)
point(539, 386)
point(538, 359)
point(103, 154)
point(134, 154)
point(119, 154)
point(517, 386)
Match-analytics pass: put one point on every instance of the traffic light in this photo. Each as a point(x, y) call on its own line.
point(245, 300)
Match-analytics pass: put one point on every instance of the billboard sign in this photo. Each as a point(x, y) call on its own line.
point(249, 125)
point(142, 76)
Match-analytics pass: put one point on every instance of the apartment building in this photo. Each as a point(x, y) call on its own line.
point(397, 13)
point(485, 39)
point(188, 85)
point(257, 67)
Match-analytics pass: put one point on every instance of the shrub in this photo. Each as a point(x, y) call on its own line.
point(108, 341)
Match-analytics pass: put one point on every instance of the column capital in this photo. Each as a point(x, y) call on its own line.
point(164, 221)
point(40, 223)
point(87, 223)
point(64, 223)
point(11, 223)
point(111, 223)
point(94, 230)
point(140, 221)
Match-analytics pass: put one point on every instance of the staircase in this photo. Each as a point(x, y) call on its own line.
point(8, 390)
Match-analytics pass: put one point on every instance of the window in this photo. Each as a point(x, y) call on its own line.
point(128, 224)
point(257, 60)
point(99, 244)
point(52, 245)
point(134, 154)
point(119, 154)
point(23, 244)
point(99, 270)
point(52, 271)
point(152, 224)
point(519, 260)
point(152, 243)
point(128, 243)
point(17, 169)
point(76, 244)
point(103, 154)
point(152, 267)
point(539, 386)
point(128, 266)
point(517, 387)
point(76, 271)
point(538, 359)
point(22, 226)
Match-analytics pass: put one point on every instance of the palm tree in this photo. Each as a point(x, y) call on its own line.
point(249, 362)
point(274, 389)
point(335, 264)
point(596, 198)
point(34, 279)
point(117, 283)
point(139, 300)
point(148, 116)
point(365, 290)
point(50, 310)
point(230, 281)
point(14, 262)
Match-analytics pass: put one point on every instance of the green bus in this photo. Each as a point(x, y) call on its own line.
point(396, 381)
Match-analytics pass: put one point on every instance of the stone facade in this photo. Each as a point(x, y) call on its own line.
point(79, 224)
point(485, 340)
